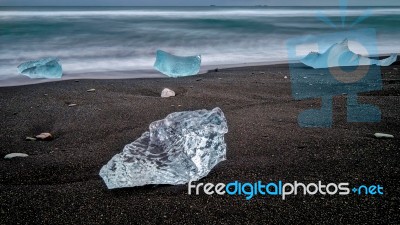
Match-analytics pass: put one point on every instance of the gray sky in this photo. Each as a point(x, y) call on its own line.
point(193, 2)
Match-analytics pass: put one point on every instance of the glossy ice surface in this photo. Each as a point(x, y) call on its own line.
point(42, 68)
point(177, 66)
point(182, 147)
point(340, 55)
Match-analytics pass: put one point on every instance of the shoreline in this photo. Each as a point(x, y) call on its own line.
point(59, 183)
point(142, 74)
point(22, 80)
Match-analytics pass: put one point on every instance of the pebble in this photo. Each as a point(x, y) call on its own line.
point(285, 77)
point(30, 139)
point(13, 155)
point(166, 93)
point(382, 135)
point(44, 137)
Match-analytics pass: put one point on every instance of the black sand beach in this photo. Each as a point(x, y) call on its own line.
point(59, 181)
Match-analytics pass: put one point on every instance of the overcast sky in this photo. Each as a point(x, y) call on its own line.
point(193, 2)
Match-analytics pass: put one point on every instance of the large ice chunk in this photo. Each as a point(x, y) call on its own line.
point(42, 68)
point(177, 66)
point(339, 54)
point(182, 147)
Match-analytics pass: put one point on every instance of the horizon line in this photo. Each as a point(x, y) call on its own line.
point(194, 5)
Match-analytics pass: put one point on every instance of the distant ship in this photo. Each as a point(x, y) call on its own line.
point(255, 5)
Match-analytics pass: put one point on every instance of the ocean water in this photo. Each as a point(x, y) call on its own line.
point(120, 42)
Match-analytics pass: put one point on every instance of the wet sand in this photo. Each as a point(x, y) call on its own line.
point(59, 181)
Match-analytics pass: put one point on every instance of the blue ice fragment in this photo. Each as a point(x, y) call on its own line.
point(182, 147)
point(177, 66)
point(42, 68)
point(339, 55)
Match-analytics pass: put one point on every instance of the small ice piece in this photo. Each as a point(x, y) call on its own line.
point(382, 135)
point(42, 68)
point(339, 54)
point(13, 155)
point(182, 147)
point(166, 93)
point(177, 66)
